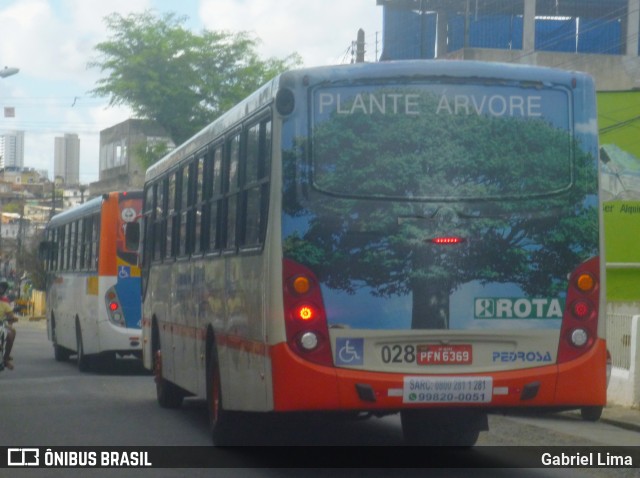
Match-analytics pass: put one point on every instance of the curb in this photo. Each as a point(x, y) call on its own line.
point(634, 427)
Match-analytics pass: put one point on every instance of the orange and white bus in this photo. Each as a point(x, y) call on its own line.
point(93, 280)
point(418, 237)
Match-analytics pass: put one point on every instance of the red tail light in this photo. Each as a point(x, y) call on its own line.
point(445, 240)
point(579, 329)
point(306, 313)
point(305, 318)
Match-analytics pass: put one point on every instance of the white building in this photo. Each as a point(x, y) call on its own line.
point(66, 159)
point(12, 149)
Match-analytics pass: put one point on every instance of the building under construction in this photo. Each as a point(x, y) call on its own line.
point(596, 36)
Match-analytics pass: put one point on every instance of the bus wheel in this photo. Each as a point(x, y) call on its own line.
point(219, 419)
point(60, 353)
point(84, 361)
point(591, 414)
point(169, 395)
point(440, 428)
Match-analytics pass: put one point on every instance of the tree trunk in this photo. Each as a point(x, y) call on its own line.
point(430, 305)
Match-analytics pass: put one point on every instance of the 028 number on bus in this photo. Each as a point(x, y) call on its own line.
point(434, 354)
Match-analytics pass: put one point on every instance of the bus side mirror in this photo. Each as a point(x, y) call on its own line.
point(132, 236)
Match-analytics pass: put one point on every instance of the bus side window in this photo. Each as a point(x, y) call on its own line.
point(183, 215)
point(199, 205)
point(62, 231)
point(232, 192)
point(171, 216)
point(95, 243)
point(88, 231)
point(216, 201)
point(80, 245)
point(160, 221)
point(148, 214)
point(256, 185)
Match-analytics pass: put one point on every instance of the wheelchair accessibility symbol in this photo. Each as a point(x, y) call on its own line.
point(349, 351)
point(124, 272)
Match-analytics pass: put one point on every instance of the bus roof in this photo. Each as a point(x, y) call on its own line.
point(88, 208)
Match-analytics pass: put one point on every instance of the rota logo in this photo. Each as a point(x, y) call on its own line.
point(517, 308)
point(485, 308)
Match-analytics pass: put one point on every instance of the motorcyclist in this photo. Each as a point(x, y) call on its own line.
point(6, 311)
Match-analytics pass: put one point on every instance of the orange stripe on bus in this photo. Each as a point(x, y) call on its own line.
point(240, 343)
point(232, 341)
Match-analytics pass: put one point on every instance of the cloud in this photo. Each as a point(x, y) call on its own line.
point(321, 32)
point(52, 42)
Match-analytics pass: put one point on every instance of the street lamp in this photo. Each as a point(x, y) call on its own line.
point(6, 71)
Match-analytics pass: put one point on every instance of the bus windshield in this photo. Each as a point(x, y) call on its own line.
point(439, 141)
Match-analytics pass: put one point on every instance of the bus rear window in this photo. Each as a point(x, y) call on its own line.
point(441, 141)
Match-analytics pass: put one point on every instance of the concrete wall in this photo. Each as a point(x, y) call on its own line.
point(623, 337)
point(611, 72)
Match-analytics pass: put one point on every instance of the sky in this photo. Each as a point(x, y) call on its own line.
point(52, 43)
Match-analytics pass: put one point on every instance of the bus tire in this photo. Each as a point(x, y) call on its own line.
point(220, 420)
point(169, 395)
point(440, 428)
point(591, 414)
point(84, 361)
point(60, 353)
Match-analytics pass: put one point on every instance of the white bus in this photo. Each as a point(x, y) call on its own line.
point(93, 280)
point(418, 237)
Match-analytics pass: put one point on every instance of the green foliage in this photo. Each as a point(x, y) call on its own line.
point(147, 154)
point(520, 191)
point(32, 264)
point(180, 79)
point(12, 207)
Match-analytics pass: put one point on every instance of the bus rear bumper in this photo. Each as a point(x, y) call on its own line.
point(122, 340)
point(299, 385)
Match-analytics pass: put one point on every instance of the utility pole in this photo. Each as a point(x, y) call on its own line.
point(19, 258)
point(360, 46)
point(53, 199)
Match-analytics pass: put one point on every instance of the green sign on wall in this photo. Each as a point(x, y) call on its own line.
point(622, 249)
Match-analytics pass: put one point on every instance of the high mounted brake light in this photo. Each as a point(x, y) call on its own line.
point(447, 240)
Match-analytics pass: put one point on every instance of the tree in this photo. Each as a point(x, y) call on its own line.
point(394, 181)
point(180, 79)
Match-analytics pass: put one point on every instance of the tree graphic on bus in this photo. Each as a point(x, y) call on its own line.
point(368, 195)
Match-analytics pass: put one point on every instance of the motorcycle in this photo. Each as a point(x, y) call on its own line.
point(4, 331)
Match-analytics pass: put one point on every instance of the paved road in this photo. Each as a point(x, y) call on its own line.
point(47, 403)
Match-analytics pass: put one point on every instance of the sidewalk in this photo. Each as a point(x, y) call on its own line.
point(623, 417)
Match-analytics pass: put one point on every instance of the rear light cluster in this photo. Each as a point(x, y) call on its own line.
point(305, 318)
point(114, 308)
point(579, 329)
